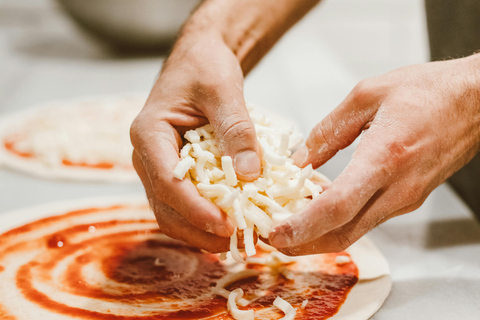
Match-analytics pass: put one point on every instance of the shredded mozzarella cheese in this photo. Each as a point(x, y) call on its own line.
point(286, 307)
point(304, 304)
point(227, 166)
point(236, 255)
point(281, 190)
point(236, 313)
point(231, 278)
point(288, 274)
point(223, 256)
point(248, 241)
point(339, 260)
point(183, 166)
point(265, 247)
point(159, 263)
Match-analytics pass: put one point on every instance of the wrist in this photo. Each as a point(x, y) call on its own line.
point(243, 26)
point(211, 27)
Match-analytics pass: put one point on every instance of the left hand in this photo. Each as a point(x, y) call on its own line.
point(421, 123)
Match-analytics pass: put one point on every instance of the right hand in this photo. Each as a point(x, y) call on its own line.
point(201, 82)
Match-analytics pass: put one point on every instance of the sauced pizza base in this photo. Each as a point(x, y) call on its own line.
point(113, 263)
point(10, 143)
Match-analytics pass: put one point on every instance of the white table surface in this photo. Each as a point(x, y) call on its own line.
point(434, 252)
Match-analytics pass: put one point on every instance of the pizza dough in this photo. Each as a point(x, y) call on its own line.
point(86, 139)
point(106, 259)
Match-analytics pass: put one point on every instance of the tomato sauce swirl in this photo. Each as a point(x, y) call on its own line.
point(114, 263)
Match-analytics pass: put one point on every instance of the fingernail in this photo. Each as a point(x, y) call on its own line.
point(300, 156)
point(281, 238)
point(224, 229)
point(279, 241)
point(247, 163)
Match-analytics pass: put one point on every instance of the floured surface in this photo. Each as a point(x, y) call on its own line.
point(110, 260)
point(85, 139)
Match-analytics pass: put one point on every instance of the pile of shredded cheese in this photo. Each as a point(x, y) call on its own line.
point(281, 190)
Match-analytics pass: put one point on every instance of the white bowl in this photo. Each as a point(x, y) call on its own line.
point(141, 24)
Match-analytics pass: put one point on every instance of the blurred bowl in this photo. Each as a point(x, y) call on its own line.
point(133, 24)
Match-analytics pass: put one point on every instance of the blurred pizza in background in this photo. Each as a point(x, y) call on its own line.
point(85, 139)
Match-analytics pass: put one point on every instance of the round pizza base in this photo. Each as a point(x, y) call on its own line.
point(40, 169)
point(365, 298)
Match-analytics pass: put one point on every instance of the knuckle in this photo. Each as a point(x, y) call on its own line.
point(135, 129)
point(161, 212)
point(415, 194)
point(340, 242)
point(397, 155)
point(323, 134)
point(143, 126)
point(415, 205)
point(363, 91)
point(329, 135)
point(148, 121)
point(137, 163)
point(339, 210)
point(235, 127)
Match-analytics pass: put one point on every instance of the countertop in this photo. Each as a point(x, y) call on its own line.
point(434, 252)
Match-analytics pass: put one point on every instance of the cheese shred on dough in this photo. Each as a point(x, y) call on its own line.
point(286, 308)
point(236, 313)
point(231, 278)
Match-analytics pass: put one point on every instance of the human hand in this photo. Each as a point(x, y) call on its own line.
point(202, 82)
point(421, 123)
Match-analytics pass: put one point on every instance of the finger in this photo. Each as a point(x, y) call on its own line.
point(174, 225)
point(157, 160)
point(341, 127)
point(138, 166)
point(337, 240)
point(368, 171)
point(343, 237)
point(234, 130)
point(331, 209)
point(397, 199)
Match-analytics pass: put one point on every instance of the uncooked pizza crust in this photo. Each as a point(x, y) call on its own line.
point(132, 215)
point(109, 133)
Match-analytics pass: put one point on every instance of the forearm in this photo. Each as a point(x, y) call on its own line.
point(249, 28)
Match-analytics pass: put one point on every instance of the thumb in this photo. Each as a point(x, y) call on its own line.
point(236, 137)
point(340, 127)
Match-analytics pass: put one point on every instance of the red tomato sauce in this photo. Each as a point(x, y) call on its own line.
point(151, 269)
point(10, 146)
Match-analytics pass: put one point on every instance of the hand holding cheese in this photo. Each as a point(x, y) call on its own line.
point(202, 82)
point(421, 124)
point(281, 190)
point(189, 94)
